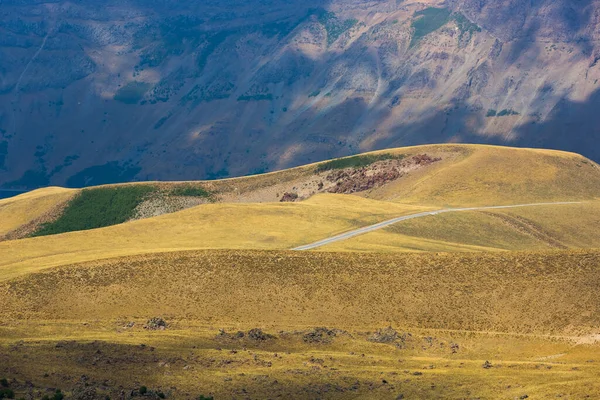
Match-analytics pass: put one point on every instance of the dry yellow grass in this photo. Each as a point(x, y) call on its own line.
point(25, 208)
point(460, 310)
point(220, 226)
point(475, 175)
point(529, 228)
point(476, 291)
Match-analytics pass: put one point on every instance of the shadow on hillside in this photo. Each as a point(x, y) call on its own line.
point(571, 126)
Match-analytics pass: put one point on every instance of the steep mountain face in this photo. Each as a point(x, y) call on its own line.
point(94, 92)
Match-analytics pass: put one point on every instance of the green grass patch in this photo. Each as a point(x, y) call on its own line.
point(356, 161)
point(190, 191)
point(427, 21)
point(132, 93)
point(465, 26)
point(97, 208)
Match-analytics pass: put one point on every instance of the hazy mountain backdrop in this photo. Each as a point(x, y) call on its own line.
point(102, 91)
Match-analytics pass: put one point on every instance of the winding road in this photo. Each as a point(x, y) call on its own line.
point(384, 224)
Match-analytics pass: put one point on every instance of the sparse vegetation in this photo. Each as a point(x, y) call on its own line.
point(191, 191)
point(465, 26)
point(427, 21)
point(502, 113)
point(334, 26)
point(356, 161)
point(132, 93)
point(507, 112)
point(97, 208)
point(256, 97)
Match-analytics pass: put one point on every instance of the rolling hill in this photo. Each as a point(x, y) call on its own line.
point(189, 289)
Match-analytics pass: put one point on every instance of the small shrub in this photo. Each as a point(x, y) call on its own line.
point(506, 112)
point(143, 390)
point(3, 382)
point(201, 397)
point(161, 395)
point(58, 395)
point(7, 394)
point(491, 113)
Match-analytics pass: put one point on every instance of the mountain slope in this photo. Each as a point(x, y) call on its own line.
point(93, 94)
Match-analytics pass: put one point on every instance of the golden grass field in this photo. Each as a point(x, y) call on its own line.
point(22, 210)
point(515, 287)
point(453, 312)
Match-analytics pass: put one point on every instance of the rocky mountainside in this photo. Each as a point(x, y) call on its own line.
point(95, 92)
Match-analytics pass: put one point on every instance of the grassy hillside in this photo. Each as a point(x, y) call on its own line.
point(493, 175)
point(216, 226)
point(97, 208)
point(28, 209)
point(450, 313)
point(529, 228)
point(476, 292)
point(84, 298)
point(465, 175)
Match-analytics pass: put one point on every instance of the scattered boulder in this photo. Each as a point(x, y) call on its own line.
point(487, 365)
point(319, 335)
point(289, 197)
point(85, 393)
point(386, 335)
point(156, 324)
point(255, 334)
point(258, 335)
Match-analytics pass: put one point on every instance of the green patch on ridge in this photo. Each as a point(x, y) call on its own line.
point(427, 21)
point(356, 161)
point(98, 208)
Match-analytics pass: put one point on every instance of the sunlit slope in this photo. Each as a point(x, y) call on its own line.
point(464, 175)
point(542, 293)
point(15, 212)
point(216, 226)
point(543, 227)
point(493, 175)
